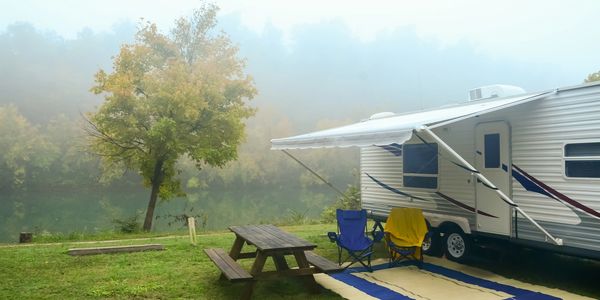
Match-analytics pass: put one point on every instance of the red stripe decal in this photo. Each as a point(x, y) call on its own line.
point(464, 206)
point(559, 195)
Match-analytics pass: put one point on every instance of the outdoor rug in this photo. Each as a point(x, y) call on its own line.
point(437, 279)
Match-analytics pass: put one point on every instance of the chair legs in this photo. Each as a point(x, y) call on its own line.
point(399, 254)
point(357, 257)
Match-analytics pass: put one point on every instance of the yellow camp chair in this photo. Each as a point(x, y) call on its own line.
point(404, 232)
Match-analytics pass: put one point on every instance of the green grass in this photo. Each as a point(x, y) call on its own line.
point(182, 271)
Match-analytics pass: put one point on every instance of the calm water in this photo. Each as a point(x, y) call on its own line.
point(67, 212)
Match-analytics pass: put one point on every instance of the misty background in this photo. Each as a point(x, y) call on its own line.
point(309, 76)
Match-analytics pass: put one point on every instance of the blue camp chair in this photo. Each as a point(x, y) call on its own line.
point(351, 236)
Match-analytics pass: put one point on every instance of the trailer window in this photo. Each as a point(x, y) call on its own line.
point(582, 160)
point(582, 149)
point(420, 165)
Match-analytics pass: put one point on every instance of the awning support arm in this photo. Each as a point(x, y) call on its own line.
point(316, 174)
point(485, 181)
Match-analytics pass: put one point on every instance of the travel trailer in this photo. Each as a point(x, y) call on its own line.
point(521, 167)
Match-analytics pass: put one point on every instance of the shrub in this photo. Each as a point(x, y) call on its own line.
point(350, 200)
point(128, 225)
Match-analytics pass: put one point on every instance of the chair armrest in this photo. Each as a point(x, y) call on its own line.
point(386, 235)
point(332, 236)
point(377, 231)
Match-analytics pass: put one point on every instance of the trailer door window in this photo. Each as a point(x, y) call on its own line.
point(582, 160)
point(420, 165)
point(491, 151)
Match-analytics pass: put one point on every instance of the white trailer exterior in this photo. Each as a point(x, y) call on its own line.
point(542, 151)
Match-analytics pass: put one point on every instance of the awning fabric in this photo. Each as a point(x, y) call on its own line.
point(397, 128)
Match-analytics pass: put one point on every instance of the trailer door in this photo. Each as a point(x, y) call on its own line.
point(492, 159)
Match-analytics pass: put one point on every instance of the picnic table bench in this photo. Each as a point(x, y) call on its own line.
point(229, 268)
point(273, 242)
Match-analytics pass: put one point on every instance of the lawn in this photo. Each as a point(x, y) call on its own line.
point(181, 271)
point(45, 271)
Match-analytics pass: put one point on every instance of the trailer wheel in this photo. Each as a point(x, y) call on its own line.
point(457, 245)
point(432, 244)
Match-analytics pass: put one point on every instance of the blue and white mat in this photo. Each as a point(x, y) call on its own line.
point(438, 279)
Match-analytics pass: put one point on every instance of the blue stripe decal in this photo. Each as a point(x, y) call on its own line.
point(391, 189)
point(517, 293)
point(554, 194)
point(528, 184)
point(505, 168)
point(367, 287)
point(394, 148)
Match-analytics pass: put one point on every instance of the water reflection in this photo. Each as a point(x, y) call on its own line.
point(93, 211)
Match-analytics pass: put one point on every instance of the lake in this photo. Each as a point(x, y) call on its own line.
point(93, 211)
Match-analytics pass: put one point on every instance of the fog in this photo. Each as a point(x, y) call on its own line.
point(325, 73)
point(317, 76)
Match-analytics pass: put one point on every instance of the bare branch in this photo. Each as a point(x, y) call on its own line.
point(94, 131)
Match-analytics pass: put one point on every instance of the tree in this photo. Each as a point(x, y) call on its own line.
point(24, 152)
point(171, 95)
point(593, 77)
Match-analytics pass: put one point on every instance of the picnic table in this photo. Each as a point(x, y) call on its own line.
point(269, 241)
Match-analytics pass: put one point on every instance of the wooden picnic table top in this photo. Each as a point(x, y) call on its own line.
point(271, 238)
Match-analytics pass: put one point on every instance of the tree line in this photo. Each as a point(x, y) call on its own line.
point(52, 156)
point(45, 82)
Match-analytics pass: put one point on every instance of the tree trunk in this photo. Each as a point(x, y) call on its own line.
point(156, 182)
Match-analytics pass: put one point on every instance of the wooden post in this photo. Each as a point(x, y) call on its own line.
point(25, 237)
point(192, 230)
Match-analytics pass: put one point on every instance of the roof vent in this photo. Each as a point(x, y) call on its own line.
point(382, 115)
point(494, 91)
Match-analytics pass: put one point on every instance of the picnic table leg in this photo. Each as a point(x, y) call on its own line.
point(257, 267)
point(235, 251)
point(280, 263)
point(309, 280)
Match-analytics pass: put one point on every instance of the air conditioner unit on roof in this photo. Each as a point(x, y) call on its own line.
point(495, 91)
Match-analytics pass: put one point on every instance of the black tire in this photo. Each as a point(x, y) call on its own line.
point(432, 245)
point(457, 245)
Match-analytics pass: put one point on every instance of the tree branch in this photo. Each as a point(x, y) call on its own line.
point(94, 131)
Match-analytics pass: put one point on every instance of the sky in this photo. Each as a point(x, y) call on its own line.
point(400, 55)
point(549, 31)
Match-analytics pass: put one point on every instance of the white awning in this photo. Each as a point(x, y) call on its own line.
point(397, 128)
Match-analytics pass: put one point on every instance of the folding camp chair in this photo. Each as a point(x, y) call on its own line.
point(351, 236)
point(404, 232)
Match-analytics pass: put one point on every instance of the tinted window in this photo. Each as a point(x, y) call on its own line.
point(420, 159)
point(582, 149)
point(492, 150)
point(582, 168)
point(420, 182)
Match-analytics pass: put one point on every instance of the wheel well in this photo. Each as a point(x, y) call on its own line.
point(449, 226)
